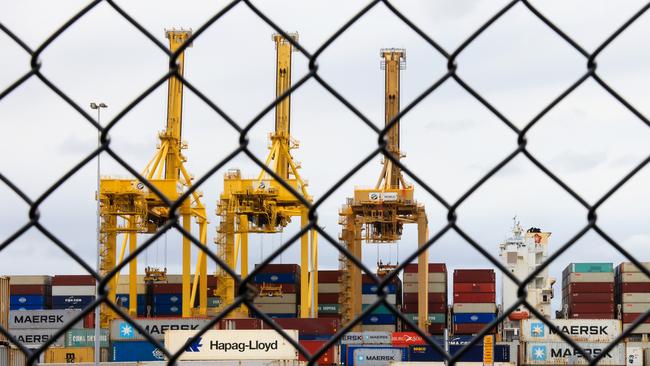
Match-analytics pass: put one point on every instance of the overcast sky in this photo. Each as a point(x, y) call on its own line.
point(451, 140)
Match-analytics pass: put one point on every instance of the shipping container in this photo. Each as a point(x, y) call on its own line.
point(122, 330)
point(635, 287)
point(635, 297)
point(469, 318)
point(86, 338)
point(641, 329)
point(433, 267)
point(73, 280)
point(42, 290)
point(378, 328)
point(412, 297)
point(125, 289)
point(167, 288)
point(475, 297)
point(28, 300)
point(471, 328)
point(433, 308)
point(374, 356)
point(329, 288)
point(16, 357)
point(329, 308)
point(375, 338)
point(379, 319)
point(587, 267)
point(592, 307)
point(132, 351)
point(275, 278)
point(636, 307)
point(73, 290)
point(36, 337)
point(328, 298)
point(27, 307)
point(634, 355)
point(381, 309)
point(434, 318)
point(234, 345)
point(71, 302)
point(167, 310)
point(246, 323)
point(474, 308)
point(283, 299)
point(608, 315)
point(330, 357)
point(167, 299)
point(370, 288)
point(632, 317)
point(431, 278)
point(474, 275)
point(30, 280)
point(474, 287)
point(328, 277)
point(277, 308)
point(605, 297)
point(371, 299)
point(426, 353)
point(588, 287)
point(630, 267)
point(279, 268)
point(406, 339)
point(533, 330)
point(4, 306)
point(577, 277)
point(286, 288)
point(431, 287)
point(310, 326)
point(560, 353)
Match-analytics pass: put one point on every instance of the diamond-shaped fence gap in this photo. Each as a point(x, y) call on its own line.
point(114, 61)
point(598, 21)
point(17, 61)
point(600, 142)
point(15, 218)
point(237, 70)
point(505, 66)
point(63, 139)
point(445, 140)
point(360, 78)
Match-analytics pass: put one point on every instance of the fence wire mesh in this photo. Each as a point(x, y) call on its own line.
point(244, 292)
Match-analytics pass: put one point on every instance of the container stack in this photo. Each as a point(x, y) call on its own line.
point(123, 294)
point(633, 295)
point(313, 334)
point(4, 309)
point(474, 300)
point(588, 291)
point(72, 291)
point(381, 319)
point(437, 296)
point(30, 292)
point(286, 278)
point(329, 290)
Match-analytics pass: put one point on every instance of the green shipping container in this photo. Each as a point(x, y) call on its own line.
point(434, 318)
point(381, 309)
point(590, 267)
point(329, 308)
point(213, 302)
point(85, 338)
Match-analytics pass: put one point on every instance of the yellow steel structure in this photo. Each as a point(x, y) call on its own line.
point(128, 207)
point(378, 215)
point(262, 205)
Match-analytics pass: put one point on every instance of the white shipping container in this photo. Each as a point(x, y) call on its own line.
point(30, 280)
point(432, 287)
point(560, 353)
point(36, 337)
point(629, 267)
point(435, 277)
point(124, 279)
point(4, 305)
point(73, 290)
point(43, 319)
point(124, 331)
point(633, 355)
point(258, 344)
point(367, 338)
point(284, 299)
point(591, 277)
point(580, 330)
point(636, 308)
point(634, 277)
point(465, 307)
point(635, 297)
point(643, 328)
point(371, 299)
point(4, 355)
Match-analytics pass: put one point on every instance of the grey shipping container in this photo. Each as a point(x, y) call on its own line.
point(43, 319)
point(329, 288)
point(380, 356)
point(276, 308)
point(36, 337)
point(590, 277)
point(432, 287)
point(73, 290)
point(284, 299)
point(629, 277)
point(561, 353)
point(16, 357)
point(475, 308)
point(371, 299)
point(366, 338)
point(4, 306)
point(643, 328)
point(436, 277)
point(630, 267)
point(634, 297)
point(30, 280)
point(636, 308)
point(4, 355)
point(124, 331)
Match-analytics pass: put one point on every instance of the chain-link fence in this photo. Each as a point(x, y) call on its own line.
point(244, 291)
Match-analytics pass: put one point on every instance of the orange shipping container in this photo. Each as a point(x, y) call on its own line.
point(73, 354)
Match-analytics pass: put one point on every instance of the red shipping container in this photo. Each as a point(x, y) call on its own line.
point(73, 280)
point(330, 316)
point(244, 323)
point(328, 298)
point(367, 279)
point(433, 308)
point(474, 287)
point(279, 268)
point(591, 315)
point(310, 326)
point(89, 320)
point(30, 290)
point(405, 339)
point(432, 329)
point(168, 288)
point(589, 287)
point(633, 287)
point(477, 297)
point(433, 268)
point(329, 276)
point(591, 307)
point(471, 328)
point(432, 297)
point(576, 297)
point(474, 275)
point(632, 317)
point(328, 358)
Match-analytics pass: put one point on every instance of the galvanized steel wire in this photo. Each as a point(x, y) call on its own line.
point(245, 290)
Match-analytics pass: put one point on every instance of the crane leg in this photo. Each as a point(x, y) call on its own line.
point(229, 285)
point(187, 308)
point(203, 270)
point(133, 269)
point(314, 274)
point(423, 274)
point(244, 245)
point(305, 295)
point(355, 273)
point(110, 246)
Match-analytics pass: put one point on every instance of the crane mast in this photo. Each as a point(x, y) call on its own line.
point(262, 205)
point(378, 215)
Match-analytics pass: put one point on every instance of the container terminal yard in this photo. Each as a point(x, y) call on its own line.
point(599, 300)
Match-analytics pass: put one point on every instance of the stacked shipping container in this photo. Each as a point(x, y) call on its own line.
point(72, 291)
point(588, 291)
point(30, 292)
point(633, 295)
point(329, 290)
point(287, 276)
point(381, 319)
point(474, 300)
point(4, 307)
point(437, 296)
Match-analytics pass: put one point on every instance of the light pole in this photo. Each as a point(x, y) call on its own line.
point(98, 107)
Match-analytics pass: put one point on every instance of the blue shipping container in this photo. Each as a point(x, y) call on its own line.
point(469, 318)
point(371, 289)
point(27, 300)
point(275, 278)
point(27, 307)
point(132, 351)
point(124, 298)
point(167, 299)
point(71, 302)
point(379, 319)
point(167, 309)
point(349, 353)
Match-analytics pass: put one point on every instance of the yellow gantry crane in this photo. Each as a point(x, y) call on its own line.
point(378, 215)
point(128, 207)
point(262, 205)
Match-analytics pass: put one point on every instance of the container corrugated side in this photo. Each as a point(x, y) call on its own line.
point(4, 355)
point(432, 278)
point(630, 267)
point(577, 277)
point(592, 330)
point(15, 357)
point(634, 297)
point(641, 329)
point(30, 280)
point(329, 288)
point(73, 354)
point(4, 305)
point(637, 277)
point(36, 337)
point(50, 319)
point(122, 330)
point(560, 353)
point(432, 287)
point(641, 307)
point(284, 299)
point(73, 290)
point(375, 356)
point(367, 338)
point(474, 308)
